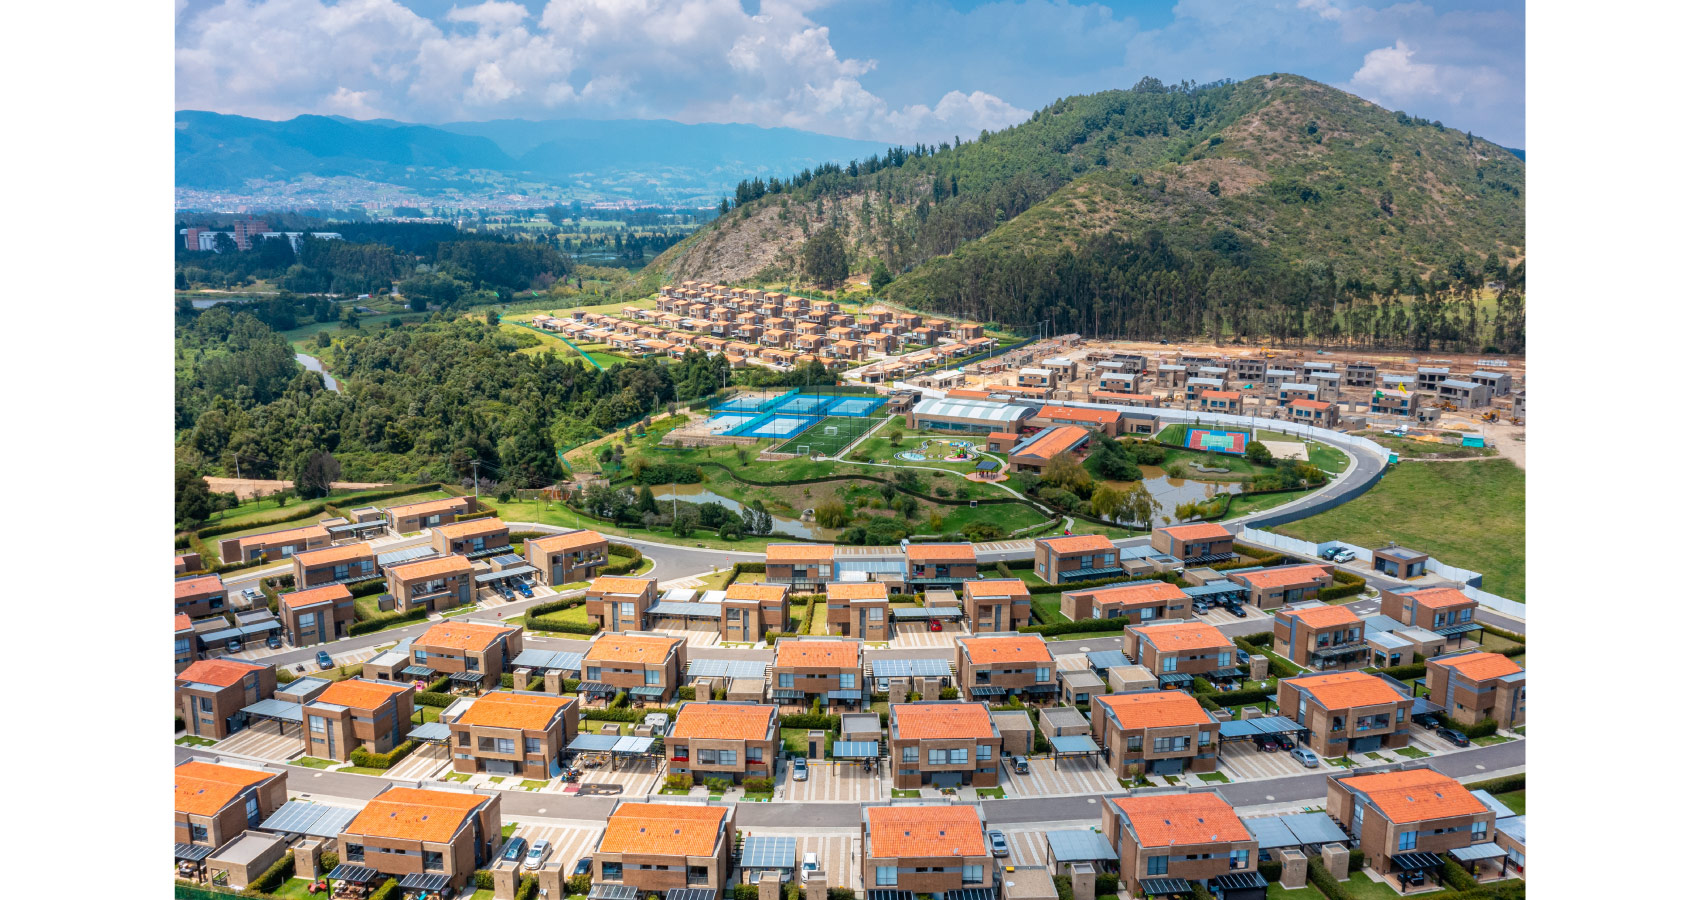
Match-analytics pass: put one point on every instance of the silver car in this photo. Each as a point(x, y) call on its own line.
point(537, 855)
point(799, 769)
point(1306, 758)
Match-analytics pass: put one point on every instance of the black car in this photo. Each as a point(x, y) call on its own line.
point(1285, 742)
point(583, 866)
point(1242, 657)
point(514, 850)
point(1453, 737)
point(323, 659)
point(1428, 720)
point(1236, 609)
point(1268, 743)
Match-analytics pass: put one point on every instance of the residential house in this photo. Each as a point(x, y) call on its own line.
point(1473, 686)
point(427, 513)
point(423, 837)
point(654, 848)
point(1034, 377)
point(1499, 384)
point(1314, 412)
point(1399, 562)
point(943, 743)
point(993, 605)
point(648, 667)
point(1202, 542)
point(1289, 391)
point(1446, 611)
point(188, 561)
point(317, 615)
point(1155, 733)
point(1429, 378)
point(1220, 401)
point(997, 665)
point(1360, 375)
point(1463, 394)
point(1197, 386)
point(357, 713)
point(212, 693)
point(1075, 558)
point(280, 544)
point(346, 564)
point(1032, 454)
point(801, 567)
point(1320, 636)
point(199, 596)
point(859, 609)
point(616, 603)
point(514, 733)
point(726, 740)
point(472, 538)
point(1283, 585)
point(1180, 650)
point(1062, 369)
point(439, 583)
point(187, 646)
point(938, 565)
point(825, 669)
point(1394, 816)
point(568, 557)
point(1346, 712)
point(472, 654)
point(750, 611)
point(1165, 841)
point(1142, 601)
point(216, 803)
point(938, 851)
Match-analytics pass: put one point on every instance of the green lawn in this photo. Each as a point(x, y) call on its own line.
point(1339, 761)
point(1216, 777)
point(190, 740)
point(765, 797)
point(533, 785)
point(1357, 887)
point(796, 740)
point(1482, 528)
point(1491, 739)
point(990, 793)
point(1514, 801)
point(313, 762)
point(1411, 449)
point(508, 829)
point(1411, 752)
point(572, 615)
point(905, 795)
point(462, 776)
point(364, 770)
point(295, 889)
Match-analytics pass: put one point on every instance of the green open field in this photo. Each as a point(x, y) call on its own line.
point(1357, 887)
point(830, 435)
point(1413, 449)
point(1468, 514)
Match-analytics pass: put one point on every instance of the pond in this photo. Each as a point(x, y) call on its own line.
point(782, 525)
point(1168, 493)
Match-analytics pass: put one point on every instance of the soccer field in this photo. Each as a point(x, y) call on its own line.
point(828, 436)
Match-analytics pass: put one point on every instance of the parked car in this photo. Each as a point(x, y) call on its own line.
point(538, 855)
point(811, 863)
point(933, 625)
point(1267, 744)
point(1242, 657)
point(1428, 720)
point(514, 850)
point(253, 595)
point(323, 659)
point(274, 642)
point(506, 592)
point(999, 847)
point(1286, 742)
point(525, 590)
point(1305, 757)
point(1455, 738)
point(583, 866)
point(1238, 611)
point(234, 645)
point(1329, 554)
point(1019, 765)
point(1345, 556)
point(799, 769)
point(1201, 607)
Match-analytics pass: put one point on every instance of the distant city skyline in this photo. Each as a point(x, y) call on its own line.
point(883, 70)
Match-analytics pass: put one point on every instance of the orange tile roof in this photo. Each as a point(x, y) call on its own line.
point(728, 721)
point(412, 814)
point(1078, 543)
point(1480, 666)
point(331, 555)
point(1058, 440)
point(1441, 597)
point(1202, 531)
point(1327, 616)
point(857, 590)
point(1156, 709)
point(800, 553)
point(1183, 636)
point(472, 526)
point(945, 552)
point(285, 536)
point(458, 635)
point(1346, 690)
point(572, 540)
point(663, 829)
point(329, 593)
point(1003, 435)
point(1416, 795)
point(1153, 591)
point(200, 584)
point(970, 394)
point(1282, 576)
point(1024, 649)
point(614, 584)
point(427, 507)
point(1072, 414)
point(995, 587)
point(1181, 819)
point(453, 564)
point(924, 831)
point(358, 693)
point(218, 672)
point(818, 653)
point(205, 788)
point(1310, 404)
point(183, 623)
point(1220, 395)
point(762, 593)
point(630, 648)
point(506, 709)
point(948, 719)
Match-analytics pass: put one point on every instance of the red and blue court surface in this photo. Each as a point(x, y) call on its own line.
point(1217, 441)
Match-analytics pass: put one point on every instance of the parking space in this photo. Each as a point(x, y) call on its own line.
point(1221, 616)
point(919, 636)
point(839, 855)
point(567, 843)
point(1070, 662)
point(343, 657)
point(836, 782)
point(262, 740)
point(696, 634)
point(425, 764)
point(634, 779)
point(1427, 741)
point(1242, 760)
point(1027, 848)
point(1059, 777)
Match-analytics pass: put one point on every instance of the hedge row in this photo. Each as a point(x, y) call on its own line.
point(1347, 584)
point(379, 623)
point(367, 588)
point(388, 890)
point(367, 759)
point(1279, 667)
point(1410, 670)
point(432, 698)
point(1084, 626)
point(1499, 785)
point(271, 879)
point(1481, 729)
point(816, 721)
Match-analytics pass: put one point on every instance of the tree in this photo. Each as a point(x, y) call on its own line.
point(351, 318)
point(1258, 454)
point(1062, 471)
point(322, 339)
point(685, 521)
point(757, 521)
point(1107, 501)
point(646, 500)
point(491, 318)
point(823, 258)
point(194, 502)
point(879, 277)
point(832, 514)
point(1137, 505)
point(317, 473)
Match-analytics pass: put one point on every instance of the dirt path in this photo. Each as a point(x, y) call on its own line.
point(1508, 439)
point(249, 488)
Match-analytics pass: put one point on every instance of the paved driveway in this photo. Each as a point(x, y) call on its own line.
point(840, 856)
point(261, 739)
point(567, 843)
point(1049, 777)
point(427, 763)
point(831, 782)
point(1242, 761)
point(1027, 848)
point(918, 636)
point(635, 780)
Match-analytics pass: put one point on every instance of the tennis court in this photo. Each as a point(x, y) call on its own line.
point(780, 426)
point(796, 403)
point(726, 423)
point(1217, 441)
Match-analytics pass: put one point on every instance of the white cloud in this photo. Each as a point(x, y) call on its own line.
point(1391, 72)
point(647, 58)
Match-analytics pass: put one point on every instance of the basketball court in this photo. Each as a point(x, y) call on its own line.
point(1217, 441)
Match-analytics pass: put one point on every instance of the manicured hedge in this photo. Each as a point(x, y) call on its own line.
point(1410, 670)
point(280, 872)
point(1481, 729)
point(432, 698)
point(817, 721)
point(1271, 870)
point(367, 588)
point(1347, 584)
point(367, 759)
point(1261, 639)
point(1084, 626)
point(379, 623)
point(1499, 785)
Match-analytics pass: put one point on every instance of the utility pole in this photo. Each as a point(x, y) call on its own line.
point(475, 482)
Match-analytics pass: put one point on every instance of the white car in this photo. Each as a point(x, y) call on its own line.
point(538, 854)
point(811, 863)
point(799, 769)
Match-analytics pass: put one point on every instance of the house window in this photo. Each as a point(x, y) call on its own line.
point(1479, 831)
point(753, 754)
point(197, 833)
point(316, 724)
point(912, 754)
point(1238, 859)
point(1157, 865)
point(983, 751)
point(1042, 674)
point(973, 874)
point(472, 664)
point(533, 745)
point(433, 861)
point(652, 676)
point(1169, 663)
point(611, 871)
point(206, 704)
point(1408, 840)
point(886, 876)
point(847, 681)
point(504, 745)
point(354, 853)
point(464, 739)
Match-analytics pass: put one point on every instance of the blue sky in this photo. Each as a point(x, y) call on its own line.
point(895, 70)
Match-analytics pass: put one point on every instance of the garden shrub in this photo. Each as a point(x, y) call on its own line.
point(389, 890)
point(367, 759)
point(678, 782)
point(1499, 785)
point(379, 623)
point(759, 785)
point(432, 698)
point(279, 872)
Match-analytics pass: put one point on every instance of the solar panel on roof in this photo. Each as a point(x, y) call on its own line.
point(856, 749)
point(910, 668)
point(1070, 744)
point(272, 708)
point(1271, 832)
point(769, 852)
point(726, 668)
point(1104, 659)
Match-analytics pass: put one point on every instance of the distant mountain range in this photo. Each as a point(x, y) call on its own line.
point(641, 159)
